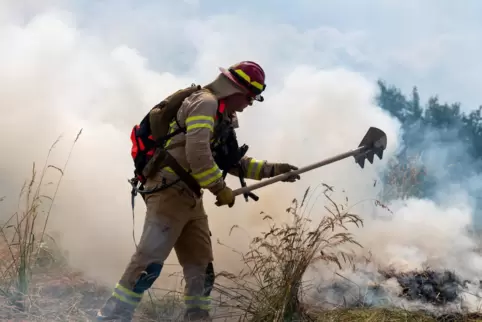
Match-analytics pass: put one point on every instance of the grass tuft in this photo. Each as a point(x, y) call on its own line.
point(24, 233)
point(270, 287)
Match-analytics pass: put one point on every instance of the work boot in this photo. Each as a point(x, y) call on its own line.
point(115, 310)
point(195, 314)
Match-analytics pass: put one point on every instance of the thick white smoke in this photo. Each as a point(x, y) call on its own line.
point(57, 78)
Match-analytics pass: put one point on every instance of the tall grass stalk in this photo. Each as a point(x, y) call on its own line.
point(270, 286)
point(23, 233)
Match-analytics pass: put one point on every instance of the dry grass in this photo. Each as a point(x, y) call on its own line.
point(270, 287)
point(389, 315)
point(36, 284)
point(24, 235)
point(374, 315)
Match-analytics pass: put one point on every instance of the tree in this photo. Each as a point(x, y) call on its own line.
point(435, 130)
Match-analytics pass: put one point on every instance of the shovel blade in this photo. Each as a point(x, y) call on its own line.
point(375, 142)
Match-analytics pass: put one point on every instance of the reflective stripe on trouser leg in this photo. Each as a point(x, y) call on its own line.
point(124, 301)
point(121, 305)
point(127, 296)
point(201, 303)
point(195, 297)
point(198, 302)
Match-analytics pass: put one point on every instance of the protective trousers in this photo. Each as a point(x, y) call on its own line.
point(174, 219)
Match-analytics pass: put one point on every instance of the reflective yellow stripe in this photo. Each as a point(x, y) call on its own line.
point(205, 173)
point(199, 126)
point(204, 178)
point(209, 176)
point(248, 79)
point(168, 169)
point(171, 129)
point(199, 121)
point(202, 302)
point(125, 295)
point(127, 291)
point(199, 118)
point(254, 169)
point(124, 299)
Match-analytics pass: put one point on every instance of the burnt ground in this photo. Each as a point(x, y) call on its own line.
point(436, 288)
point(62, 295)
point(59, 294)
point(437, 295)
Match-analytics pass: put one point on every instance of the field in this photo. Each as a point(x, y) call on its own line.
point(37, 284)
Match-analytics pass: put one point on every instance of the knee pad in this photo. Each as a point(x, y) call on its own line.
point(209, 279)
point(147, 277)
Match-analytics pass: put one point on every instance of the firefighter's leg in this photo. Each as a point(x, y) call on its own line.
point(162, 227)
point(194, 251)
point(209, 279)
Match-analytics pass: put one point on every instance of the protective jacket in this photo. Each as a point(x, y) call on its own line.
point(201, 114)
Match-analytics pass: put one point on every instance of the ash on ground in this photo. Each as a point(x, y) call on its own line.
point(436, 288)
point(439, 290)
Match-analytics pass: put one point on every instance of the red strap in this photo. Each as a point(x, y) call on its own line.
point(221, 107)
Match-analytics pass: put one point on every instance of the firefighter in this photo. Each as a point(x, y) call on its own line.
point(175, 217)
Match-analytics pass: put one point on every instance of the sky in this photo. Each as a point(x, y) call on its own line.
point(66, 65)
point(431, 44)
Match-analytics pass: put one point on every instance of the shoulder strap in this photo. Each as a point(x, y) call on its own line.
point(221, 109)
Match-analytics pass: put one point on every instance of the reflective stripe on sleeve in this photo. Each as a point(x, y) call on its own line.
point(207, 177)
point(204, 178)
point(254, 169)
point(199, 121)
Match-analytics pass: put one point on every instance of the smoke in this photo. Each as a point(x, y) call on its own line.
point(57, 78)
point(424, 252)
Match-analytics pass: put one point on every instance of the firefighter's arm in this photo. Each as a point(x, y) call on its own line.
point(261, 169)
point(252, 168)
point(199, 129)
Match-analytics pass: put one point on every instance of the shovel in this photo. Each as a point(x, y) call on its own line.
point(374, 142)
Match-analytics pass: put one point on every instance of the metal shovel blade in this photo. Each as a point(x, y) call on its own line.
point(373, 143)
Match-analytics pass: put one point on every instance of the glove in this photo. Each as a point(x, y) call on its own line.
point(225, 197)
point(280, 168)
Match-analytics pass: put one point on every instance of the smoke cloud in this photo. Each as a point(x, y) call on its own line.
point(427, 249)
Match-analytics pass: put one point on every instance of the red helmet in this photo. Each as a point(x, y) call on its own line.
point(248, 75)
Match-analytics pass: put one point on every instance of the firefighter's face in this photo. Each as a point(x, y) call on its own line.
point(238, 102)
